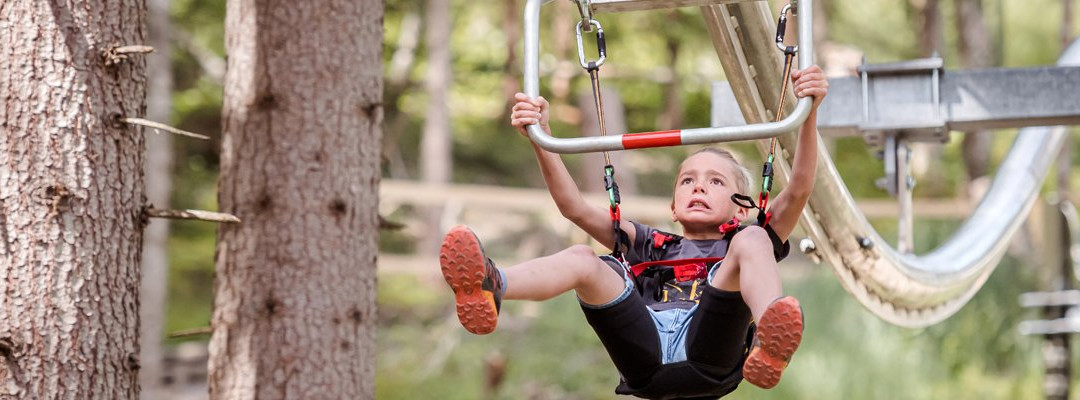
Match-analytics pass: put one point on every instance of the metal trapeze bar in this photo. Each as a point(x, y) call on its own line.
point(664, 138)
point(609, 6)
point(970, 100)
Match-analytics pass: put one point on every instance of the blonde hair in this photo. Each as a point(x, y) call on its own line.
point(743, 179)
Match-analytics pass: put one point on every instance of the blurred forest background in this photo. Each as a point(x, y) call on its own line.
point(450, 68)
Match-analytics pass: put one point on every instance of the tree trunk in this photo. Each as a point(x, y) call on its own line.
point(671, 117)
point(1066, 23)
point(821, 35)
point(512, 21)
point(930, 28)
point(975, 52)
point(294, 304)
point(397, 83)
point(71, 199)
point(158, 164)
point(435, 164)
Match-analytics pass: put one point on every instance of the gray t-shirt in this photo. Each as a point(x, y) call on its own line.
point(665, 291)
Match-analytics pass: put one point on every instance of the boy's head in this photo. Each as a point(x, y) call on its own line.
point(706, 180)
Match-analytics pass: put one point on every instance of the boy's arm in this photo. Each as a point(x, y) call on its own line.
point(594, 220)
point(790, 202)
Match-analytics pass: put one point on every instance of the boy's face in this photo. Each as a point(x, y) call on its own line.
point(703, 189)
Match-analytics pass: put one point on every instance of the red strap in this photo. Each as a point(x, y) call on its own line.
point(658, 239)
point(768, 216)
point(729, 226)
point(637, 269)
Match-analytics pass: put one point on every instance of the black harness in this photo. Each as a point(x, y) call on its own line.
point(684, 380)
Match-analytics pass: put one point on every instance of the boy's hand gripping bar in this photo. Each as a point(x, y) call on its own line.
point(661, 138)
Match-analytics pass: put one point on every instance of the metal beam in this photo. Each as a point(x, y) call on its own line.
point(609, 6)
point(1051, 327)
point(1050, 299)
point(970, 100)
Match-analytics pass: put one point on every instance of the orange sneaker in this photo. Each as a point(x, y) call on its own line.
point(476, 283)
point(778, 335)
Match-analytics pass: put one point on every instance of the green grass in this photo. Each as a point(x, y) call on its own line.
point(847, 353)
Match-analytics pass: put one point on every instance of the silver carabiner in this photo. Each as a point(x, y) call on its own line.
point(601, 45)
point(781, 28)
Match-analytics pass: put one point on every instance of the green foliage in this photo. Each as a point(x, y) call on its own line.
point(550, 351)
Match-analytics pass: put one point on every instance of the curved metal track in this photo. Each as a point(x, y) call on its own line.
point(919, 290)
point(904, 289)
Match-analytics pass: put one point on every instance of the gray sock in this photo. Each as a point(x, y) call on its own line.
point(502, 278)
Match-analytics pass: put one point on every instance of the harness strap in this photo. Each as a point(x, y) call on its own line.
point(619, 237)
point(637, 269)
point(767, 169)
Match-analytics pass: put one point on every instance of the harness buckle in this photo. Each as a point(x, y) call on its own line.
point(729, 226)
point(689, 272)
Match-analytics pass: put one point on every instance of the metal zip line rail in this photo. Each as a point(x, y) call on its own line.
point(662, 138)
point(920, 290)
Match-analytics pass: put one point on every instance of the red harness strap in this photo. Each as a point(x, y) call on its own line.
point(637, 269)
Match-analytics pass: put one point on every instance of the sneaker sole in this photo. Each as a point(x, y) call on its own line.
point(779, 334)
point(463, 265)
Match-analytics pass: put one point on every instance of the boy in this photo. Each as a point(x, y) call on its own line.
point(688, 337)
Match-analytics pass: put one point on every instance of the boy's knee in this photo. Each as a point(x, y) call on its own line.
point(580, 251)
point(752, 238)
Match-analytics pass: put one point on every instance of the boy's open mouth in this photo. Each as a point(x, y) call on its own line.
point(698, 203)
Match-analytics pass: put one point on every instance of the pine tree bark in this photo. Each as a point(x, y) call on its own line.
point(973, 41)
point(435, 162)
point(71, 199)
point(159, 161)
point(294, 306)
point(930, 27)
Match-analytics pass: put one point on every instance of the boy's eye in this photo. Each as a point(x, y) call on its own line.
point(716, 181)
point(685, 181)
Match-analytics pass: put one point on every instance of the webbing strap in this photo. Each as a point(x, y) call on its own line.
point(767, 169)
point(610, 185)
point(637, 269)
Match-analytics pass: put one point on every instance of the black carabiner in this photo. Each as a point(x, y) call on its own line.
point(781, 29)
point(601, 46)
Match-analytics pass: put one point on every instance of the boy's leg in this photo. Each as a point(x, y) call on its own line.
point(716, 339)
point(750, 268)
point(479, 287)
point(576, 267)
point(627, 331)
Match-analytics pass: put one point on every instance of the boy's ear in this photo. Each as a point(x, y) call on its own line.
point(673, 217)
point(743, 213)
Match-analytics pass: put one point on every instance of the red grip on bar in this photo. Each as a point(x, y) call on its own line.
point(652, 139)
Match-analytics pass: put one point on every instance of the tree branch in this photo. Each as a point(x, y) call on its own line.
point(191, 214)
point(118, 54)
point(389, 225)
point(162, 127)
point(205, 330)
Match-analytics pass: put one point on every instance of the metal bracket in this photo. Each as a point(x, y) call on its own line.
point(585, 10)
point(895, 93)
point(899, 183)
